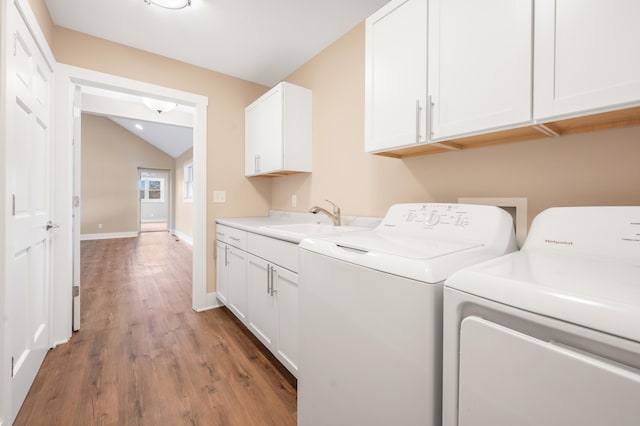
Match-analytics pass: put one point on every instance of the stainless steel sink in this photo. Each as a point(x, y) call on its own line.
point(305, 229)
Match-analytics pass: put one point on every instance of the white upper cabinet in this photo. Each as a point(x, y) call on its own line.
point(480, 66)
point(278, 132)
point(586, 56)
point(396, 76)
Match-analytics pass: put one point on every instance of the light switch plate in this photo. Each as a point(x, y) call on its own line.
point(219, 197)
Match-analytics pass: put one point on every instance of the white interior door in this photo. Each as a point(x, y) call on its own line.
point(77, 214)
point(28, 180)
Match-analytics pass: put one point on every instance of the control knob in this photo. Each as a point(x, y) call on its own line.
point(432, 219)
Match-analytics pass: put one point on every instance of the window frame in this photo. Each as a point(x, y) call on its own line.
point(145, 198)
point(187, 180)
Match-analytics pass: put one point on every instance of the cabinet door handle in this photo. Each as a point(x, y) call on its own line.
point(220, 233)
point(235, 239)
point(430, 105)
point(268, 279)
point(226, 259)
point(273, 277)
point(418, 110)
point(257, 160)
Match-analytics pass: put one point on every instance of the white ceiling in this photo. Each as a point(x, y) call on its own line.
point(170, 131)
point(174, 140)
point(257, 40)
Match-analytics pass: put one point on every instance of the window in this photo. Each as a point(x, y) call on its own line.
point(188, 181)
point(152, 190)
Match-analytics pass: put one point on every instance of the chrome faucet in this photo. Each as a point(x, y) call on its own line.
point(335, 216)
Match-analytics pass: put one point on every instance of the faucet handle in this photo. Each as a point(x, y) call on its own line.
point(336, 209)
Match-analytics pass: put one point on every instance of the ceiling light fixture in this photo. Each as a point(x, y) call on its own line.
point(158, 105)
point(170, 4)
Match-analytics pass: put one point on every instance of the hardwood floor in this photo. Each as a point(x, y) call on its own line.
point(143, 357)
point(153, 227)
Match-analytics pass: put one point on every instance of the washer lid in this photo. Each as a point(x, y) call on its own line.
point(393, 244)
point(592, 291)
point(427, 260)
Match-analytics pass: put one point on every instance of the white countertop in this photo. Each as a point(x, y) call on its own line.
point(261, 224)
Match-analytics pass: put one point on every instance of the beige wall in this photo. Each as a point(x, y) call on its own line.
point(598, 168)
point(111, 156)
point(40, 10)
point(228, 96)
point(184, 209)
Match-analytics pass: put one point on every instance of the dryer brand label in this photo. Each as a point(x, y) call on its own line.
point(559, 243)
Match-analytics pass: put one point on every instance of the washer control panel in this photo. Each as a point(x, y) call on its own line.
point(464, 221)
point(429, 215)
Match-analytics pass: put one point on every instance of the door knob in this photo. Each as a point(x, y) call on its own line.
point(51, 225)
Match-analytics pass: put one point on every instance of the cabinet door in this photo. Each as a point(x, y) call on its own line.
point(270, 145)
point(262, 304)
point(396, 76)
point(221, 272)
point(263, 134)
point(250, 140)
point(237, 279)
point(286, 293)
point(586, 56)
point(480, 65)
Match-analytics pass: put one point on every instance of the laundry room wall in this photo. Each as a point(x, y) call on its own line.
point(598, 168)
point(111, 156)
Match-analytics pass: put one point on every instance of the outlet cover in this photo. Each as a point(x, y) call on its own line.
point(219, 197)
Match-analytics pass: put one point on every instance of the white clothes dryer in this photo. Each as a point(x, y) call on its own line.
point(549, 335)
point(371, 312)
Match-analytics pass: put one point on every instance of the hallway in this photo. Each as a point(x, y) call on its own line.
point(144, 357)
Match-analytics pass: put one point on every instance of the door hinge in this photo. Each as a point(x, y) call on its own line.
point(76, 291)
point(76, 201)
point(12, 363)
point(13, 204)
point(15, 44)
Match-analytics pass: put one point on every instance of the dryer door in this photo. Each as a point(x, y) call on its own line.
point(509, 378)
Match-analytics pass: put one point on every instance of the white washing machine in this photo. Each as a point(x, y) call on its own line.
point(371, 312)
point(549, 335)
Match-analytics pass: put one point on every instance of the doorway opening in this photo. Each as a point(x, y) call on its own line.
point(155, 200)
point(68, 79)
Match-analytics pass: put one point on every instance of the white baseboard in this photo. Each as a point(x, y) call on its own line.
point(211, 302)
point(184, 237)
point(154, 220)
point(108, 235)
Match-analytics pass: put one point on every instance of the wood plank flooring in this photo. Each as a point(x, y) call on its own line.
point(143, 357)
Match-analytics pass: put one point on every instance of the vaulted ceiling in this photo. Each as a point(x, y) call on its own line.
point(256, 40)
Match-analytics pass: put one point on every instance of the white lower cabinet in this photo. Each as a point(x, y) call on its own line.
point(256, 279)
point(231, 278)
point(262, 317)
point(237, 270)
point(286, 284)
point(273, 309)
point(222, 273)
